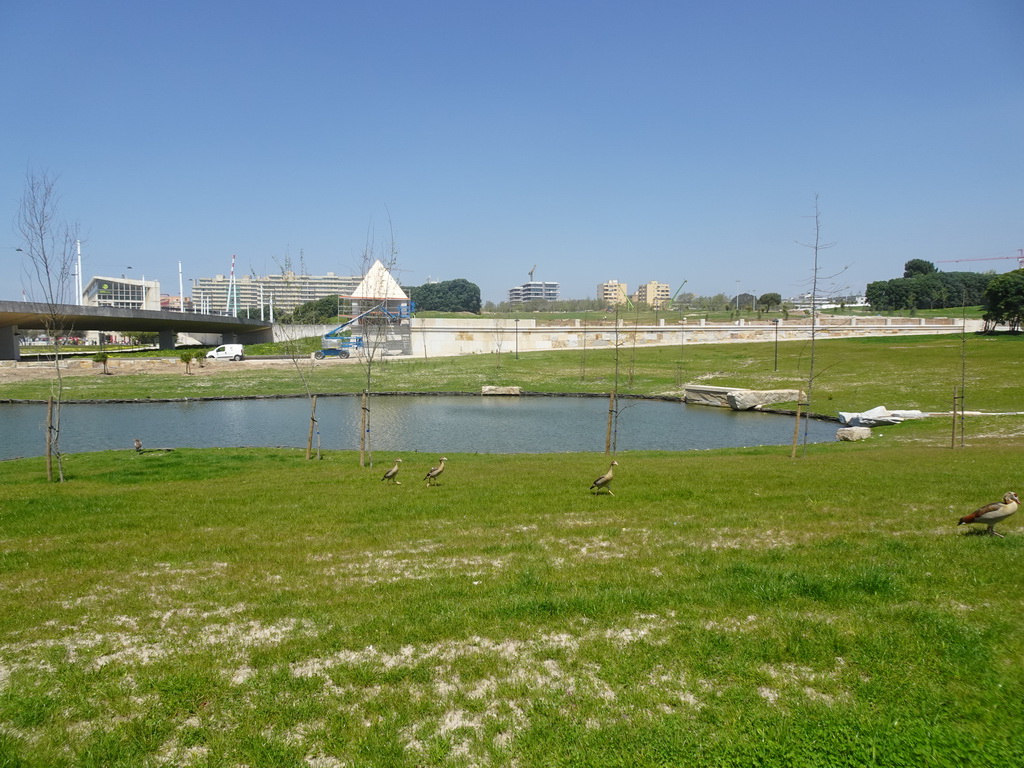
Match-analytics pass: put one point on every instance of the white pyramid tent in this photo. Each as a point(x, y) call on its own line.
point(379, 285)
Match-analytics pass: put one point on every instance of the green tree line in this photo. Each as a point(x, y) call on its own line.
point(925, 287)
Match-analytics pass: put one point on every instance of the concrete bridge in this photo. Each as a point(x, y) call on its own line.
point(34, 316)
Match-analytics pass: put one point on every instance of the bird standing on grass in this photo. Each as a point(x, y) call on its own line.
point(605, 480)
point(391, 473)
point(138, 445)
point(993, 513)
point(433, 474)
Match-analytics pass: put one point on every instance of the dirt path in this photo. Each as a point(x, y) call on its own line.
point(31, 371)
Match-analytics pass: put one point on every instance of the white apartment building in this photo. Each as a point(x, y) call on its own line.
point(535, 290)
point(285, 292)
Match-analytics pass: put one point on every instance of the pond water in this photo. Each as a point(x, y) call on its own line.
point(457, 424)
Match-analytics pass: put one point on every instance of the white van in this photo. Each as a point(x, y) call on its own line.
point(227, 352)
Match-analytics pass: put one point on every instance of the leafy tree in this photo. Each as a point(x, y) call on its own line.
point(1004, 300)
point(254, 313)
point(447, 296)
point(685, 300)
point(743, 301)
point(715, 303)
point(768, 300)
point(916, 267)
point(935, 290)
point(102, 357)
point(139, 338)
point(543, 305)
point(316, 312)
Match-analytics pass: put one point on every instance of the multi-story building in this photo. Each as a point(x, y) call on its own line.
point(175, 303)
point(653, 294)
point(122, 293)
point(535, 290)
point(612, 292)
point(285, 292)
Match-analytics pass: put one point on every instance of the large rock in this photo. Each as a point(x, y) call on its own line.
point(493, 390)
point(878, 416)
point(746, 399)
point(852, 434)
point(705, 394)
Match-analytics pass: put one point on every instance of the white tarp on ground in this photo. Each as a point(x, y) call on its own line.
point(878, 416)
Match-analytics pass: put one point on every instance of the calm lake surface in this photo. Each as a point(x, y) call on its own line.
point(456, 424)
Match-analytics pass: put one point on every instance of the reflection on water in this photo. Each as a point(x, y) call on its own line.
point(401, 423)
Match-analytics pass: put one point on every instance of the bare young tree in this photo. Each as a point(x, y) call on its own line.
point(376, 325)
point(304, 364)
point(301, 358)
point(498, 335)
point(49, 243)
point(611, 432)
point(816, 246)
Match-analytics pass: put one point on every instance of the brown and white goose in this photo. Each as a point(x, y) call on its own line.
point(432, 475)
point(391, 473)
point(605, 480)
point(993, 513)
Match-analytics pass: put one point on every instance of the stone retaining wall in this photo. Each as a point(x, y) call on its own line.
point(448, 337)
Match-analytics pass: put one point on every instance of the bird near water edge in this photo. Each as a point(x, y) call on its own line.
point(432, 475)
point(392, 473)
point(993, 513)
point(605, 480)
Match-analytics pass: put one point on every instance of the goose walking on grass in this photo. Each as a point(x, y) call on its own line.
point(434, 473)
point(605, 480)
point(138, 445)
point(392, 473)
point(993, 513)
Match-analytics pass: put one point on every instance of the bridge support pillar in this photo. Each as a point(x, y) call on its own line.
point(9, 348)
point(167, 339)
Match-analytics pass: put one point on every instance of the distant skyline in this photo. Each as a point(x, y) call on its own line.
point(652, 140)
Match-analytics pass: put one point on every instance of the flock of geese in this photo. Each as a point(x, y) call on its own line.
point(431, 477)
point(391, 476)
point(988, 515)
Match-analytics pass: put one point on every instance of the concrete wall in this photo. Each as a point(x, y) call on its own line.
point(439, 338)
point(435, 337)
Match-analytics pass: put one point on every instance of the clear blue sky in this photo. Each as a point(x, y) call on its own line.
point(643, 140)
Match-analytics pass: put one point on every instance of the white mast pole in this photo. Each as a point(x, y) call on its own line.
point(78, 277)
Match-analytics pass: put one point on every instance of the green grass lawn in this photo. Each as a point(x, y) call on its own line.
point(243, 607)
point(240, 607)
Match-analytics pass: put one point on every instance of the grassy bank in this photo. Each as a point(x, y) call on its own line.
point(245, 607)
point(852, 374)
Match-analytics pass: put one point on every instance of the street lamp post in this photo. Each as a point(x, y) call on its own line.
point(776, 322)
point(181, 291)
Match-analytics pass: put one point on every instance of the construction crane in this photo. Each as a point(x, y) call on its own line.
point(532, 271)
point(1019, 257)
